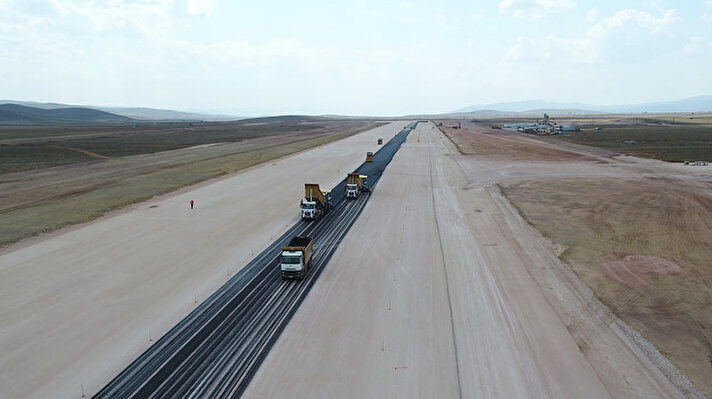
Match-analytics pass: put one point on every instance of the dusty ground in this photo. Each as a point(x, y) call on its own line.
point(643, 246)
point(599, 213)
point(76, 308)
point(484, 142)
point(442, 290)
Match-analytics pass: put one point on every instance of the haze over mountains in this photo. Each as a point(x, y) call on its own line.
point(691, 104)
point(36, 112)
point(138, 113)
point(15, 113)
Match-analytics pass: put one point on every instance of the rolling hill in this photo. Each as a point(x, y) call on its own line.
point(15, 113)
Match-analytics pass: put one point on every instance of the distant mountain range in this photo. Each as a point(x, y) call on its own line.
point(138, 113)
point(35, 112)
point(15, 113)
point(691, 104)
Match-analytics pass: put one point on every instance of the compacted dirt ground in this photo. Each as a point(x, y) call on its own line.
point(441, 289)
point(635, 231)
point(77, 307)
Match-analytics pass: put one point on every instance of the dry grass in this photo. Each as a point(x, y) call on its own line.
point(39, 201)
point(599, 221)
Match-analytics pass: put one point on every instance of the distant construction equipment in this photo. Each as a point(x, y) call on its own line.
point(541, 127)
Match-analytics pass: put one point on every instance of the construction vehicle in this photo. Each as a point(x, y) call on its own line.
point(369, 156)
point(316, 202)
point(380, 141)
point(297, 257)
point(355, 183)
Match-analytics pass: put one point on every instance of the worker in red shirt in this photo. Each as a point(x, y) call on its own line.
point(191, 204)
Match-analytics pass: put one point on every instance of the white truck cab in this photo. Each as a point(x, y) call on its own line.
point(296, 257)
point(351, 190)
point(292, 263)
point(309, 210)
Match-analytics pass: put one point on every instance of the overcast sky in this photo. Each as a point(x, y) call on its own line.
point(352, 57)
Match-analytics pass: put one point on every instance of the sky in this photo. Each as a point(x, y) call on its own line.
point(370, 57)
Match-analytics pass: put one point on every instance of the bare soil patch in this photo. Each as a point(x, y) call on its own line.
point(79, 150)
point(643, 247)
point(633, 270)
point(477, 139)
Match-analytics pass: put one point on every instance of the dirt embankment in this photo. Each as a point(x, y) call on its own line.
point(643, 247)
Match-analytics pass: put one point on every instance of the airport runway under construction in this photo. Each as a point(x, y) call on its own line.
point(217, 348)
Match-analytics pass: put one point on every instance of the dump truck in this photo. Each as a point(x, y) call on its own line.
point(297, 257)
point(316, 202)
point(380, 141)
point(355, 183)
point(369, 156)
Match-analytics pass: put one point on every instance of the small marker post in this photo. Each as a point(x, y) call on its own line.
point(150, 338)
point(84, 395)
point(383, 345)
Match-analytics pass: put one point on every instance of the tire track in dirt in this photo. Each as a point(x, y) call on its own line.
point(79, 150)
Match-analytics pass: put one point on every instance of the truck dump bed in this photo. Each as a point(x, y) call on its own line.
point(299, 242)
point(354, 178)
point(313, 193)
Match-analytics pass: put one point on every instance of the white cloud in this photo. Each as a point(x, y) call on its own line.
point(625, 35)
point(556, 3)
point(553, 48)
point(534, 9)
point(406, 5)
point(592, 15)
point(697, 45)
point(148, 16)
point(707, 17)
point(201, 7)
point(642, 19)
